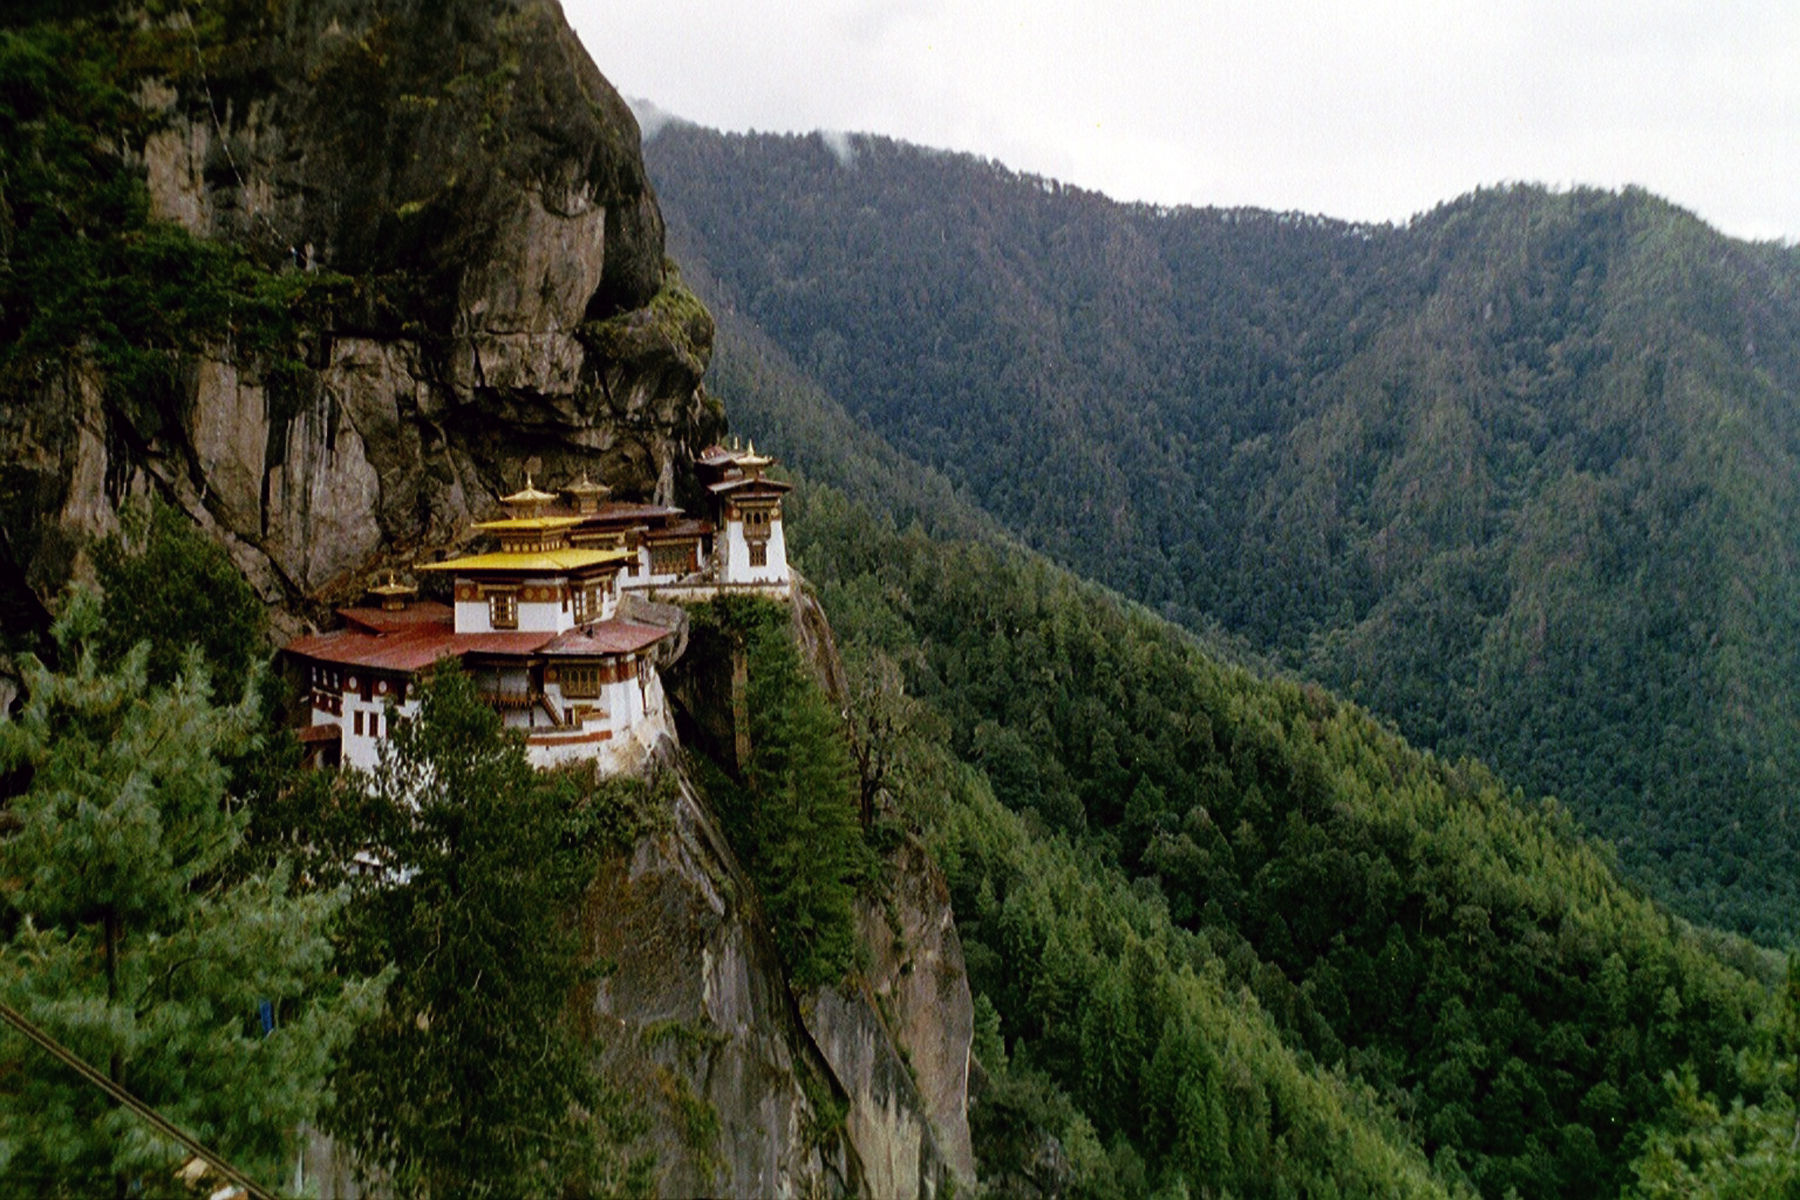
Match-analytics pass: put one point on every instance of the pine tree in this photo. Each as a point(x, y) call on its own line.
point(798, 816)
point(128, 942)
point(170, 586)
point(472, 1081)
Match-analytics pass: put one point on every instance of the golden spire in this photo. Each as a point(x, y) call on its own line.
point(752, 459)
point(393, 593)
point(528, 497)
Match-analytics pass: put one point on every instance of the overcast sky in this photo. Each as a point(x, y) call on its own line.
point(1370, 110)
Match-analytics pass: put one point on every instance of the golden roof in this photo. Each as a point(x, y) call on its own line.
point(391, 586)
point(528, 495)
point(528, 524)
point(548, 562)
point(586, 487)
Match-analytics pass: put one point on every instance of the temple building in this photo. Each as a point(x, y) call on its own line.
point(536, 624)
point(749, 547)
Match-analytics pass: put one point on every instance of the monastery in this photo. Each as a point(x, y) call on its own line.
point(538, 623)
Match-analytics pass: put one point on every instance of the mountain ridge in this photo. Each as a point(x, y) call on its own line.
point(1513, 473)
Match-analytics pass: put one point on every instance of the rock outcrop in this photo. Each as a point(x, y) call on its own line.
point(458, 193)
point(898, 1037)
point(695, 1021)
point(466, 189)
point(855, 1090)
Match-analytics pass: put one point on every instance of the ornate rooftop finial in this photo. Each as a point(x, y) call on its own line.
point(393, 594)
point(586, 493)
point(528, 497)
point(752, 460)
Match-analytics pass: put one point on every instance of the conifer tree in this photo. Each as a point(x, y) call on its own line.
point(170, 586)
point(472, 1081)
point(798, 817)
point(210, 996)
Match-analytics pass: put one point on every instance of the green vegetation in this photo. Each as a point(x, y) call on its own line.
point(131, 939)
point(1518, 475)
point(790, 811)
point(473, 1081)
point(174, 868)
point(82, 265)
point(170, 588)
point(1237, 934)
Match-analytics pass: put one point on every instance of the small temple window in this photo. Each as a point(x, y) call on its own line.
point(671, 558)
point(359, 724)
point(759, 554)
point(503, 610)
point(580, 679)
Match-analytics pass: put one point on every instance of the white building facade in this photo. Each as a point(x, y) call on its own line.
point(535, 622)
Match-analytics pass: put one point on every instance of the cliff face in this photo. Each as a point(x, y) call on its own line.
point(853, 1090)
point(876, 1065)
point(898, 1037)
point(456, 195)
point(466, 187)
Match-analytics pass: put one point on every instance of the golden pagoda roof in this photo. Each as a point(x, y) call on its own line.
point(550, 562)
point(529, 524)
point(528, 495)
point(586, 487)
point(392, 587)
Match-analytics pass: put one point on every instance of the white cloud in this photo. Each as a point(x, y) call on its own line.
point(1373, 110)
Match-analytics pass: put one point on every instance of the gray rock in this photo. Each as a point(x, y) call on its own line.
point(469, 170)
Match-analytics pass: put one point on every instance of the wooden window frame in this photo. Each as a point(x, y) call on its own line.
point(581, 681)
point(671, 558)
point(503, 601)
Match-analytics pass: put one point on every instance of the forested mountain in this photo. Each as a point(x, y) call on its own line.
point(1198, 903)
point(1151, 921)
point(1518, 475)
point(1147, 846)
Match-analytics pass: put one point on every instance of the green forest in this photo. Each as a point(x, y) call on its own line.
point(1227, 934)
point(1517, 475)
point(1146, 846)
point(1340, 672)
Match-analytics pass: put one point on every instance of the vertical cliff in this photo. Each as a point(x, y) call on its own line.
point(858, 1086)
point(752, 1090)
point(449, 201)
point(362, 264)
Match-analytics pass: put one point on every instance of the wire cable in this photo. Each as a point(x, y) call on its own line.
point(154, 1119)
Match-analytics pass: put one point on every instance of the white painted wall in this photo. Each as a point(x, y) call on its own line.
point(737, 568)
point(364, 750)
point(535, 616)
point(472, 617)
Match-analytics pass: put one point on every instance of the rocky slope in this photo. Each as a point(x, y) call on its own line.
point(463, 190)
point(449, 199)
point(857, 1090)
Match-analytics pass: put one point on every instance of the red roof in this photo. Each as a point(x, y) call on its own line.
point(606, 637)
point(621, 513)
point(692, 528)
point(410, 647)
point(386, 620)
